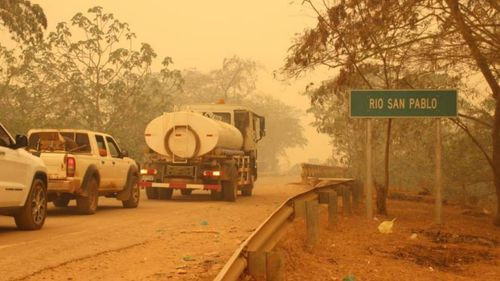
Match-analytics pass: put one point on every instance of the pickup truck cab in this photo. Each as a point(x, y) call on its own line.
point(84, 165)
point(23, 183)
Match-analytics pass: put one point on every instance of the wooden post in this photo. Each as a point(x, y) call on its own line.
point(332, 209)
point(438, 188)
point(299, 207)
point(312, 214)
point(346, 200)
point(369, 179)
point(257, 264)
point(274, 266)
point(356, 190)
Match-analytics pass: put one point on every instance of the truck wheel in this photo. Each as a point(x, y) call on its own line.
point(88, 205)
point(186, 191)
point(61, 201)
point(230, 186)
point(152, 193)
point(247, 190)
point(230, 190)
point(133, 199)
point(215, 195)
point(32, 215)
point(165, 193)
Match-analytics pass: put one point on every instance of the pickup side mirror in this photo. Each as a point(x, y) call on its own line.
point(124, 153)
point(21, 141)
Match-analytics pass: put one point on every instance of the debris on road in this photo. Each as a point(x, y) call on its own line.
point(386, 226)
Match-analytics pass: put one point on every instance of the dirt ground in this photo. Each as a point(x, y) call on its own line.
point(189, 238)
point(464, 248)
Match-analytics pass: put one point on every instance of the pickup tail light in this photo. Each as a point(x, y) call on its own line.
point(70, 166)
point(212, 174)
point(149, 171)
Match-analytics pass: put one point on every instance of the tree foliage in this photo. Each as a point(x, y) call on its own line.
point(87, 74)
point(24, 20)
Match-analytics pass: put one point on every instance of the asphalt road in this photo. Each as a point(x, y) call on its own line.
point(188, 238)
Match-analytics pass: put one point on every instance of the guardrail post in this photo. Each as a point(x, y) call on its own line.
point(299, 208)
point(274, 266)
point(346, 200)
point(312, 216)
point(257, 264)
point(357, 189)
point(332, 209)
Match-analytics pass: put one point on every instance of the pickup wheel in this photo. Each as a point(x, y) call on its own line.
point(152, 193)
point(133, 200)
point(88, 205)
point(186, 191)
point(165, 193)
point(32, 215)
point(61, 201)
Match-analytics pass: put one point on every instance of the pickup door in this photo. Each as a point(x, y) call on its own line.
point(120, 166)
point(105, 164)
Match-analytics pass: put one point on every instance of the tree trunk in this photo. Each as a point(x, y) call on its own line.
point(496, 158)
point(383, 190)
point(482, 64)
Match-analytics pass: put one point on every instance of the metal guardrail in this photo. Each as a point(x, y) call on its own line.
point(268, 234)
point(321, 171)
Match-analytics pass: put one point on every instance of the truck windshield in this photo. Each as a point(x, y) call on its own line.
point(60, 141)
point(221, 116)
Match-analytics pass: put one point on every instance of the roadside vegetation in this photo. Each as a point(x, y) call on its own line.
point(91, 72)
point(416, 44)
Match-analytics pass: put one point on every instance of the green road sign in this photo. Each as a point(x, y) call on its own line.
point(403, 103)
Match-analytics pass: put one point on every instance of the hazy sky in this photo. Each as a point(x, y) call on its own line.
point(199, 34)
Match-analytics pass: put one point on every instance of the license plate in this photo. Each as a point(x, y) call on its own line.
point(148, 178)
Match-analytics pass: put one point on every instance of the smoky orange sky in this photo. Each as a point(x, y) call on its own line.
point(199, 34)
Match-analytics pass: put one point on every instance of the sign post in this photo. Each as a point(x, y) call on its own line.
point(403, 104)
point(369, 176)
point(438, 190)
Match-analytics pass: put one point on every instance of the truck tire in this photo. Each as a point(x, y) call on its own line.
point(230, 190)
point(32, 215)
point(215, 195)
point(230, 186)
point(133, 199)
point(186, 191)
point(165, 193)
point(87, 205)
point(61, 201)
point(152, 193)
point(247, 190)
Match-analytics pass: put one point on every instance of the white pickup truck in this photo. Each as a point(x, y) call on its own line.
point(84, 165)
point(23, 183)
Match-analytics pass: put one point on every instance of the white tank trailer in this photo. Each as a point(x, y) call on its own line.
point(203, 147)
point(187, 135)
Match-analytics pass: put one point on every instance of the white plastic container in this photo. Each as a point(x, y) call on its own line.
point(189, 134)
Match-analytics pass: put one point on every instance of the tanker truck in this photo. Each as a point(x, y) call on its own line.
point(209, 147)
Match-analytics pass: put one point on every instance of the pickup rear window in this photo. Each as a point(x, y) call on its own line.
point(60, 141)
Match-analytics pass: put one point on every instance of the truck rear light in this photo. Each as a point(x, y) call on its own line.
point(209, 173)
point(149, 171)
point(70, 166)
